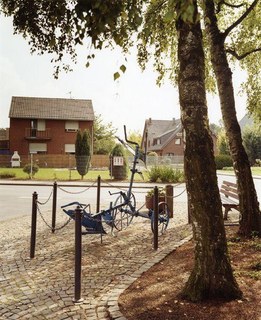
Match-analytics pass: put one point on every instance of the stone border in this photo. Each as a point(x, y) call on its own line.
point(111, 301)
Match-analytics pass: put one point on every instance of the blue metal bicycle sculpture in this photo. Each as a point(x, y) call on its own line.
point(119, 215)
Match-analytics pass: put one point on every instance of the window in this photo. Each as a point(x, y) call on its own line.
point(37, 147)
point(41, 125)
point(69, 148)
point(71, 126)
point(178, 141)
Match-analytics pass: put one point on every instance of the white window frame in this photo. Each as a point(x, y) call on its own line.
point(41, 125)
point(71, 126)
point(69, 148)
point(38, 147)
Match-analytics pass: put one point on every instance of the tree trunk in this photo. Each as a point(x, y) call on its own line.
point(248, 202)
point(212, 275)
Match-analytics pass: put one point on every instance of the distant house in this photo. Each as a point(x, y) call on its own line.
point(165, 137)
point(4, 141)
point(47, 125)
point(247, 120)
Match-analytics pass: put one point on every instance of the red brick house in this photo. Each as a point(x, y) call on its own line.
point(47, 125)
point(165, 137)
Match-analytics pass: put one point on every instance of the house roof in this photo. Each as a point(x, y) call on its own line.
point(247, 120)
point(51, 108)
point(165, 130)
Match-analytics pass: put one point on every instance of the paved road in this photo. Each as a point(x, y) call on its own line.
point(16, 200)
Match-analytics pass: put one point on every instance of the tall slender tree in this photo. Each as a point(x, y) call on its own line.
point(248, 202)
point(212, 276)
point(82, 152)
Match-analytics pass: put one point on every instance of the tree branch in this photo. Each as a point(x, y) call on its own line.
point(237, 22)
point(229, 5)
point(242, 56)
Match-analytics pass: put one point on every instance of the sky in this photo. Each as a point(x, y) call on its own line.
point(128, 101)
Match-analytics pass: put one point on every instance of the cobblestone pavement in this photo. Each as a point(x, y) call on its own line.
point(43, 287)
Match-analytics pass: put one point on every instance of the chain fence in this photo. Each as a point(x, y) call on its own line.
point(98, 216)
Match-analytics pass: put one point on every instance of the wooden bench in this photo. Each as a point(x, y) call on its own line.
point(229, 197)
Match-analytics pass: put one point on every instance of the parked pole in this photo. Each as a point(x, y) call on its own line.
point(33, 225)
point(156, 217)
point(169, 199)
point(78, 256)
point(54, 206)
point(98, 194)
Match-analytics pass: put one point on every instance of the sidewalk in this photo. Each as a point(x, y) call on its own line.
point(43, 288)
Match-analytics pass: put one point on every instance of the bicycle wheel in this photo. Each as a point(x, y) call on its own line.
point(163, 218)
point(123, 215)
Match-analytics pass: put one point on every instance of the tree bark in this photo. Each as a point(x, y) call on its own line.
point(248, 202)
point(212, 275)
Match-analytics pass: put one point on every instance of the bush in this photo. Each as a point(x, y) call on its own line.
point(119, 172)
point(7, 175)
point(154, 174)
point(27, 169)
point(165, 174)
point(223, 160)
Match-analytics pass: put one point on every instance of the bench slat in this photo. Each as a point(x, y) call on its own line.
point(228, 201)
point(229, 193)
point(231, 184)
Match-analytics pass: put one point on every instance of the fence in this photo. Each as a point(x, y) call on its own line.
point(97, 161)
point(55, 160)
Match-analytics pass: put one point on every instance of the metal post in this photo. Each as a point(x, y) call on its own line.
point(98, 194)
point(169, 199)
point(78, 256)
point(189, 208)
point(54, 206)
point(31, 167)
point(33, 225)
point(156, 217)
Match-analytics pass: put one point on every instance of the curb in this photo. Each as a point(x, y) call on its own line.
point(111, 302)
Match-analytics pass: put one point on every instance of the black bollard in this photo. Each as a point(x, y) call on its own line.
point(33, 225)
point(54, 206)
point(169, 199)
point(78, 256)
point(156, 218)
point(98, 194)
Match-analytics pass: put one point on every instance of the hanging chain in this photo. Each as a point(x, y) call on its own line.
point(47, 224)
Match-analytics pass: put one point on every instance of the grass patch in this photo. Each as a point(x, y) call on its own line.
point(256, 171)
point(62, 174)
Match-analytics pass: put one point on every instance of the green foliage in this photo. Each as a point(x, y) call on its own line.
point(135, 136)
point(154, 174)
point(59, 26)
point(7, 175)
point(152, 154)
point(252, 143)
point(165, 174)
point(216, 129)
point(27, 169)
point(223, 160)
point(82, 152)
point(222, 143)
point(119, 172)
point(103, 136)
